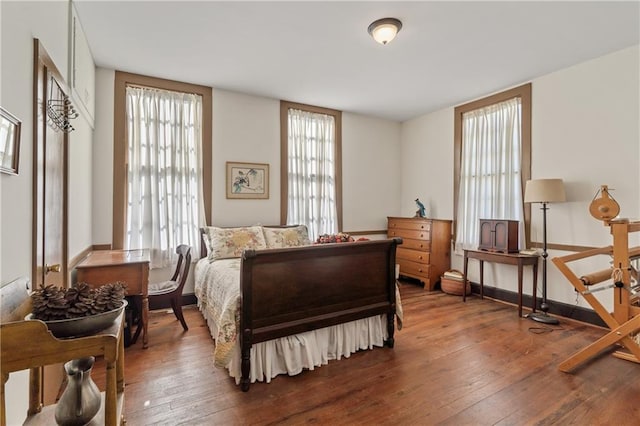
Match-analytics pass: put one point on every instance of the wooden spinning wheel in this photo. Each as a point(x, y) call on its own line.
point(624, 321)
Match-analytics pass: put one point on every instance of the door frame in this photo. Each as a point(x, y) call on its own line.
point(42, 68)
point(50, 377)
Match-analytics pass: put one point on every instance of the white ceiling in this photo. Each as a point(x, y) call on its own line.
point(320, 53)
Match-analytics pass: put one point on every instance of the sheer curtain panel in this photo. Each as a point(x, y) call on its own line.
point(164, 172)
point(312, 172)
point(490, 173)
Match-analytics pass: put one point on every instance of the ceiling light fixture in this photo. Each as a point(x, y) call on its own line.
point(384, 30)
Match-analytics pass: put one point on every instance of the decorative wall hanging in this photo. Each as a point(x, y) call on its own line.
point(247, 180)
point(9, 142)
point(60, 110)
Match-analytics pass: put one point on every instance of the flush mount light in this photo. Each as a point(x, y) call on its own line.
point(384, 30)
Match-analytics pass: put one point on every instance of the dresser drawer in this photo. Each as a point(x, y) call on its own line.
point(409, 224)
point(412, 255)
point(413, 268)
point(422, 245)
point(409, 233)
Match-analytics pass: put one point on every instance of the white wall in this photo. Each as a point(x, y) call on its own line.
point(102, 182)
point(585, 130)
point(21, 22)
point(427, 162)
point(370, 172)
point(80, 187)
point(246, 128)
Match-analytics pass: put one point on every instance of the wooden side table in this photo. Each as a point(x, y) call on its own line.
point(509, 259)
point(128, 266)
point(30, 345)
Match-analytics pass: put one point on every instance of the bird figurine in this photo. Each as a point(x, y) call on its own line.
point(421, 212)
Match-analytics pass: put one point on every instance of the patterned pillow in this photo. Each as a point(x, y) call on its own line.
point(230, 242)
point(292, 236)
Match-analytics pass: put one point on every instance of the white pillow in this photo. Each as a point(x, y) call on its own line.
point(226, 243)
point(291, 236)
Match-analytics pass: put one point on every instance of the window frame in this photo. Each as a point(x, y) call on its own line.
point(523, 92)
point(122, 80)
point(284, 155)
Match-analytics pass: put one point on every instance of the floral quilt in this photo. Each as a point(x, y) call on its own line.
point(217, 287)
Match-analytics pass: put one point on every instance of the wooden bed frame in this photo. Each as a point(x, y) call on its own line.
point(293, 290)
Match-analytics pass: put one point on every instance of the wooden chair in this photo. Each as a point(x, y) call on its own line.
point(171, 291)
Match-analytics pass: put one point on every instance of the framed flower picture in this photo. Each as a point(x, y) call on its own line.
point(247, 180)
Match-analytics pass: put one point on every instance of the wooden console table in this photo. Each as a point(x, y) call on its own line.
point(508, 259)
point(128, 266)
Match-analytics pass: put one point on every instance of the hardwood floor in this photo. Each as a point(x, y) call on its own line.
point(454, 363)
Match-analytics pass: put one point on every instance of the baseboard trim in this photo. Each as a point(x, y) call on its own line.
point(565, 310)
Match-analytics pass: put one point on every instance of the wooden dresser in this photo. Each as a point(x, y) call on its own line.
point(425, 253)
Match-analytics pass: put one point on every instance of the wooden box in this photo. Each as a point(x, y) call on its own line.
point(499, 235)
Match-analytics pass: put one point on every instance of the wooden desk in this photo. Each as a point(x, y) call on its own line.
point(128, 266)
point(509, 259)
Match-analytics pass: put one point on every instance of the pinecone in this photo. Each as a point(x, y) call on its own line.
point(49, 303)
point(81, 301)
point(53, 303)
point(110, 296)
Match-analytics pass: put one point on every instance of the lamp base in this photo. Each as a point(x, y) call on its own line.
point(543, 317)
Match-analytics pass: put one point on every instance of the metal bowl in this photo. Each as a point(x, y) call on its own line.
point(83, 326)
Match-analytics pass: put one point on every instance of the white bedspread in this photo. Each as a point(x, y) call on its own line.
point(217, 288)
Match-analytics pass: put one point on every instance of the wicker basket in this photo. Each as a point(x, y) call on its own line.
point(453, 286)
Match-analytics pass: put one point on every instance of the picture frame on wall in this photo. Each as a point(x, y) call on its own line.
point(247, 180)
point(9, 142)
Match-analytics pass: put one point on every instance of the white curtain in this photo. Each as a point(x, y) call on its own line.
point(490, 173)
point(164, 172)
point(312, 168)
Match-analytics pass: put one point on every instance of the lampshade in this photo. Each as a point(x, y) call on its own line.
point(384, 30)
point(544, 191)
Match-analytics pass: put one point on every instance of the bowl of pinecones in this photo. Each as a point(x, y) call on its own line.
point(78, 311)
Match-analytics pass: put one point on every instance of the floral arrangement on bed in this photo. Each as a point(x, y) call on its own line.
point(340, 237)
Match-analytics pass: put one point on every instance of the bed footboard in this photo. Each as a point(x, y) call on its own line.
point(294, 290)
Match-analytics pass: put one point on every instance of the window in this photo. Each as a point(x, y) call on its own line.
point(162, 165)
point(492, 163)
point(311, 168)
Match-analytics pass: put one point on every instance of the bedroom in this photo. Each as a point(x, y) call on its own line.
point(585, 127)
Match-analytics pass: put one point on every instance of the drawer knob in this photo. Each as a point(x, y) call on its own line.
point(419, 257)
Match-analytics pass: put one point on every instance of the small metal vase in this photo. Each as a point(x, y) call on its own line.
point(80, 401)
